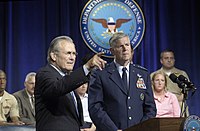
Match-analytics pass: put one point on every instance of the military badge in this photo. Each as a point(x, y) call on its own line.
point(142, 96)
point(140, 82)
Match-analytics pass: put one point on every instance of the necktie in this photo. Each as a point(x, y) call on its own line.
point(33, 102)
point(124, 77)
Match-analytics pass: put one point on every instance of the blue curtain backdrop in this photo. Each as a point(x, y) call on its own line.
point(27, 27)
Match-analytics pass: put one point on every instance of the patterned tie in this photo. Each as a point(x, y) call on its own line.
point(124, 77)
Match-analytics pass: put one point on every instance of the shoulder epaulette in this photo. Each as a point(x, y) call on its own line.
point(140, 67)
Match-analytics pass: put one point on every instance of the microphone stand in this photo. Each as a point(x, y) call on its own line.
point(184, 104)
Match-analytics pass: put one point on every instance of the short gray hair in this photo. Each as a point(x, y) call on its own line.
point(54, 45)
point(116, 37)
point(29, 75)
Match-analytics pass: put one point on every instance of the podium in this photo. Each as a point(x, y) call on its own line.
point(159, 124)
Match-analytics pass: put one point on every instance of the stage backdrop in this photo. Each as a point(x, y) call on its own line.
point(27, 27)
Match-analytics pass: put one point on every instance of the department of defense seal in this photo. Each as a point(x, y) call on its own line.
point(100, 19)
point(192, 123)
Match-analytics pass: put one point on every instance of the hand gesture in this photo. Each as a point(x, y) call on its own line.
point(96, 61)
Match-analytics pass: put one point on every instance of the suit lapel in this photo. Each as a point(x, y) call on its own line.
point(115, 77)
point(80, 108)
point(26, 98)
point(69, 97)
point(72, 106)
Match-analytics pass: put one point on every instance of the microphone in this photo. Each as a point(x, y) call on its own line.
point(187, 82)
point(175, 79)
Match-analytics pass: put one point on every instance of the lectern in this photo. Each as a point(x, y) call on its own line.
point(159, 124)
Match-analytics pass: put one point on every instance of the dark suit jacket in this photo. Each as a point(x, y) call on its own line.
point(26, 112)
point(55, 108)
point(112, 106)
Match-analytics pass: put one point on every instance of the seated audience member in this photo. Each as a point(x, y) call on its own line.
point(88, 125)
point(167, 60)
point(166, 103)
point(25, 99)
point(9, 111)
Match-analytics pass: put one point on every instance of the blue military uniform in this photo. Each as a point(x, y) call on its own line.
point(112, 106)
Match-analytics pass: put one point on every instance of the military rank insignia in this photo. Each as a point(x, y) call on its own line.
point(140, 82)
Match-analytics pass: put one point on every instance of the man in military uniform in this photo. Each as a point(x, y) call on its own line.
point(120, 95)
point(9, 111)
point(167, 60)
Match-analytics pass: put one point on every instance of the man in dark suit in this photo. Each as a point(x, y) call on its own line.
point(58, 107)
point(120, 99)
point(25, 99)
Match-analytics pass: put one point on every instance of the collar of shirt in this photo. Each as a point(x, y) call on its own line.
point(86, 71)
point(168, 72)
point(85, 96)
point(5, 96)
point(166, 95)
point(29, 94)
point(119, 68)
point(60, 72)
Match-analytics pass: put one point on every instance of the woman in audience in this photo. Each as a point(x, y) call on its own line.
point(166, 103)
